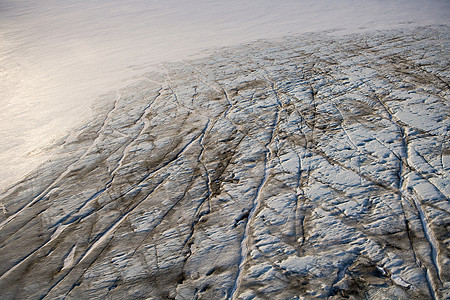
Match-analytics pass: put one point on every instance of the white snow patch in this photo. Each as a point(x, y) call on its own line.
point(69, 260)
point(399, 281)
point(301, 265)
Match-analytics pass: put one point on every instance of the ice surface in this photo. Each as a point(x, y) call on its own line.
point(57, 57)
point(310, 166)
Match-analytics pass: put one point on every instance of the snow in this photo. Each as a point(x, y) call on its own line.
point(69, 260)
point(57, 57)
point(398, 280)
point(302, 265)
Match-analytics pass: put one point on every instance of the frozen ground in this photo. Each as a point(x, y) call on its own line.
point(58, 56)
point(306, 167)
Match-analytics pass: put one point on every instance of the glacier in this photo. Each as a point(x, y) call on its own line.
point(303, 167)
point(58, 56)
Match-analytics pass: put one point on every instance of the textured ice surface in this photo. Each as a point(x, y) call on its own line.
point(307, 167)
point(58, 56)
